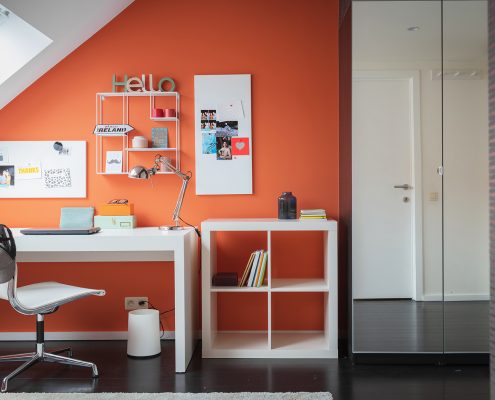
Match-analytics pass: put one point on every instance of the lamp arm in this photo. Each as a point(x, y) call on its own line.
point(185, 180)
point(166, 161)
point(180, 199)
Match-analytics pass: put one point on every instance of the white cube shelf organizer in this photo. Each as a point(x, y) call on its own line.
point(270, 343)
point(125, 148)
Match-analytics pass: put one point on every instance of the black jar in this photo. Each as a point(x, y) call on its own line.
point(287, 206)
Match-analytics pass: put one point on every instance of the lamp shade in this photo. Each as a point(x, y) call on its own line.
point(138, 172)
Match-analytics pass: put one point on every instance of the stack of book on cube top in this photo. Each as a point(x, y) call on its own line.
point(254, 274)
point(313, 214)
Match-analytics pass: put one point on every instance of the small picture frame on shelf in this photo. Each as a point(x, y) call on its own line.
point(159, 137)
point(113, 163)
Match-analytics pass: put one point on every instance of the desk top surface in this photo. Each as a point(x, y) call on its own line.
point(107, 240)
point(271, 224)
point(119, 233)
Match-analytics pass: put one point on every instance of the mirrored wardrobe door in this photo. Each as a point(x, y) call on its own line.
point(397, 274)
point(466, 208)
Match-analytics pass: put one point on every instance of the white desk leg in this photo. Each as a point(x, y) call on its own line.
point(186, 300)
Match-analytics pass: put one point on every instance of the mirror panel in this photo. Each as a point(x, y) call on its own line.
point(397, 192)
point(466, 182)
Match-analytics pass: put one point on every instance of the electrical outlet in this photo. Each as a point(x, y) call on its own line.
point(132, 303)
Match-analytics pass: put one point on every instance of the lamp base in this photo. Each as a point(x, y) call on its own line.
point(170, 228)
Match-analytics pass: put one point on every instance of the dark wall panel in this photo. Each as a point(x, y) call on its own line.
point(491, 93)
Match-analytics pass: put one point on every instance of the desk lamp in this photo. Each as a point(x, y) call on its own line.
point(140, 172)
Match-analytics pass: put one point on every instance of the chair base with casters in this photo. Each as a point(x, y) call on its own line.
point(37, 299)
point(40, 355)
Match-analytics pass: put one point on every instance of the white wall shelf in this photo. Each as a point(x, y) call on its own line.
point(125, 141)
point(270, 343)
point(164, 119)
point(137, 94)
point(148, 149)
point(299, 285)
point(230, 289)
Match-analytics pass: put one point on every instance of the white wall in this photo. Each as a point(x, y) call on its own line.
point(466, 189)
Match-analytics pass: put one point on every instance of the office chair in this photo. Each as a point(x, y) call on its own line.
point(38, 299)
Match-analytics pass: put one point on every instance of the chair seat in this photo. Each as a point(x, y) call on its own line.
point(52, 293)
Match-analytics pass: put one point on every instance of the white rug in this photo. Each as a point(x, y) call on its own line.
point(168, 396)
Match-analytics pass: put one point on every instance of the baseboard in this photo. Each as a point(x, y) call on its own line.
point(112, 335)
point(456, 297)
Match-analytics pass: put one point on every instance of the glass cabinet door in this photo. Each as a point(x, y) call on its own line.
point(466, 185)
point(397, 276)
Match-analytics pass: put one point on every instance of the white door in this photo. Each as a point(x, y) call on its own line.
point(385, 183)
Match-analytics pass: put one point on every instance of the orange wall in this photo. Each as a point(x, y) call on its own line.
point(291, 50)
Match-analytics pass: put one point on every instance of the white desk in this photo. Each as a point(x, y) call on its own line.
point(140, 244)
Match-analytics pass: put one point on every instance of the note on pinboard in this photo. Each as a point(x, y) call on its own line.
point(36, 169)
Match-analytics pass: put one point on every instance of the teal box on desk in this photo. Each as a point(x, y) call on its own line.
point(117, 222)
point(76, 217)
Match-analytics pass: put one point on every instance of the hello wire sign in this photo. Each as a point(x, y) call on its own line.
point(143, 84)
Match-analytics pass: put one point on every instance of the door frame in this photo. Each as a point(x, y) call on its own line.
point(414, 79)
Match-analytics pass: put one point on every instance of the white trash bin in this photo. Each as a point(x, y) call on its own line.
point(143, 339)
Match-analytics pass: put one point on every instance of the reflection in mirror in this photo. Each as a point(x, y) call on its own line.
point(397, 192)
point(465, 145)
point(420, 177)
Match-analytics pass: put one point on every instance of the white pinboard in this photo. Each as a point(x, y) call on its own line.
point(230, 97)
point(35, 169)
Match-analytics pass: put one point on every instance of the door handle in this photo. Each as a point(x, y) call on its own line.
point(405, 186)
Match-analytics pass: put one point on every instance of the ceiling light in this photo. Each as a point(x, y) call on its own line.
point(413, 28)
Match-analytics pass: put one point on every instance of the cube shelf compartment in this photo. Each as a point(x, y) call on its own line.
point(274, 341)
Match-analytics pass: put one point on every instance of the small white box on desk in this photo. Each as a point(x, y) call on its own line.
point(116, 222)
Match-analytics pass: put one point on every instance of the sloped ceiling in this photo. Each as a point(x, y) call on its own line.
point(69, 23)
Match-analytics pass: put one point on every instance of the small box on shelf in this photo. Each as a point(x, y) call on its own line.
point(225, 279)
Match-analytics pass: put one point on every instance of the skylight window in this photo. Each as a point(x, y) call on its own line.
point(19, 43)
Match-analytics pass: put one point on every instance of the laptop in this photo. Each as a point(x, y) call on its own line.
point(60, 231)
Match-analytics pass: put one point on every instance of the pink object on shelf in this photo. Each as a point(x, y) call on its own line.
point(157, 112)
point(170, 112)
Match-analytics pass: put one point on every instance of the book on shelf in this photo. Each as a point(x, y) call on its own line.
point(258, 269)
point(159, 137)
point(255, 270)
point(262, 270)
point(317, 213)
point(246, 271)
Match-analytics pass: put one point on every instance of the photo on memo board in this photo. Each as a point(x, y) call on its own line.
point(7, 176)
point(224, 148)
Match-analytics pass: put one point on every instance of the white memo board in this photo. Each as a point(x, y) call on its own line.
point(34, 169)
point(228, 99)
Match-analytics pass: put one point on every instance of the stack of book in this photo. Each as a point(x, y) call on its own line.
point(254, 274)
point(313, 214)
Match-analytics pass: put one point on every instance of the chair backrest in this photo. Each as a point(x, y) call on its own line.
point(7, 255)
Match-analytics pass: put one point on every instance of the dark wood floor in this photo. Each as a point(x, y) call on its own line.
point(421, 326)
point(345, 381)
